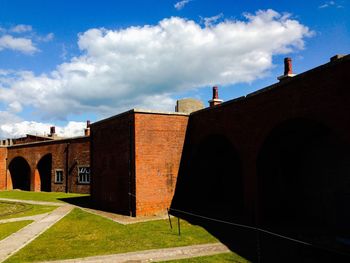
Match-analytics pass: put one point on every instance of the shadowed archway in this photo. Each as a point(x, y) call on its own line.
point(303, 174)
point(44, 167)
point(210, 184)
point(20, 174)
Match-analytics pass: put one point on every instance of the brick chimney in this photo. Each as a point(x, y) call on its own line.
point(215, 100)
point(87, 129)
point(52, 132)
point(288, 70)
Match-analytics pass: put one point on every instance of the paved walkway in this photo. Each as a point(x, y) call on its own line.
point(34, 218)
point(33, 202)
point(125, 220)
point(42, 222)
point(154, 255)
point(16, 241)
point(121, 219)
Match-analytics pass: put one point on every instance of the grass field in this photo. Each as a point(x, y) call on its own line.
point(39, 196)
point(222, 258)
point(81, 234)
point(12, 209)
point(7, 229)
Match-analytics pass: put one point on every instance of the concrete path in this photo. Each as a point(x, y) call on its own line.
point(154, 255)
point(121, 219)
point(33, 202)
point(125, 220)
point(42, 222)
point(34, 218)
point(18, 240)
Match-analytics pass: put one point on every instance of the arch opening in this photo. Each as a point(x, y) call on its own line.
point(303, 180)
point(214, 181)
point(20, 174)
point(44, 167)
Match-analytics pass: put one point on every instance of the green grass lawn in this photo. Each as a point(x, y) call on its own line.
point(81, 234)
point(222, 258)
point(7, 229)
point(39, 196)
point(14, 209)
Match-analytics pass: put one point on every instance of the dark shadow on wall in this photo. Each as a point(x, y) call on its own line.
point(44, 168)
point(213, 183)
point(20, 174)
point(210, 185)
point(304, 184)
point(303, 194)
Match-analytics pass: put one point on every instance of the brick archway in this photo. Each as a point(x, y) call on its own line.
point(213, 185)
point(301, 173)
point(44, 172)
point(19, 174)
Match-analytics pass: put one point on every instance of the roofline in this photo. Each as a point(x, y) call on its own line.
point(32, 135)
point(142, 111)
point(47, 142)
point(277, 84)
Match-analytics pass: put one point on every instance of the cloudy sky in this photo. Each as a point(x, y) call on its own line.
point(63, 62)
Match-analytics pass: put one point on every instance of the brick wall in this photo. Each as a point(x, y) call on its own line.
point(112, 164)
point(3, 156)
point(320, 95)
point(78, 154)
point(158, 147)
point(140, 146)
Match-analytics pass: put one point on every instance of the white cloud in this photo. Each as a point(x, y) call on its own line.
point(21, 28)
point(330, 4)
point(181, 4)
point(49, 37)
point(73, 128)
point(21, 44)
point(15, 128)
point(15, 107)
point(208, 21)
point(145, 66)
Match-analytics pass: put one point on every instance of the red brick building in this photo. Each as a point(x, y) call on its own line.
point(135, 160)
point(277, 159)
point(46, 163)
point(136, 155)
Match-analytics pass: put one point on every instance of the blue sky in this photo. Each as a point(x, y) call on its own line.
point(92, 59)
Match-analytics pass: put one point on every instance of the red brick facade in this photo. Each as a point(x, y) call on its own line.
point(135, 160)
point(3, 156)
point(112, 152)
point(320, 95)
point(158, 147)
point(64, 154)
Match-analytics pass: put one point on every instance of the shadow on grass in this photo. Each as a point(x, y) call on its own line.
point(262, 246)
point(81, 201)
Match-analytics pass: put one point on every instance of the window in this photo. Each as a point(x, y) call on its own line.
point(58, 176)
point(84, 174)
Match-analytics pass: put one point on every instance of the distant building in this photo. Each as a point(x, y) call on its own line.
point(46, 163)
